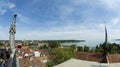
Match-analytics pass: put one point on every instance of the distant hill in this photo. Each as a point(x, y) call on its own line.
point(46, 41)
point(117, 39)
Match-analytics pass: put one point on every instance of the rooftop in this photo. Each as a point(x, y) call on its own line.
point(82, 63)
point(98, 57)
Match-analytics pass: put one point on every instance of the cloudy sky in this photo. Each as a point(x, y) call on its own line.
point(61, 19)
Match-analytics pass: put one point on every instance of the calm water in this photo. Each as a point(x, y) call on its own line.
point(90, 43)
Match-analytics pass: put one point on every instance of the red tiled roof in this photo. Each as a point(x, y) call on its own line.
point(24, 49)
point(114, 58)
point(98, 57)
point(26, 62)
point(43, 50)
point(90, 56)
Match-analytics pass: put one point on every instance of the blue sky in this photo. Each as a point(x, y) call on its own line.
point(61, 19)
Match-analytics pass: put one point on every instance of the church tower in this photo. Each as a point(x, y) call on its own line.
point(13, 60)
point(105, 45)
point(12, 33)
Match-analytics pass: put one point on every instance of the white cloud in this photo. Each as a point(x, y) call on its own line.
point(70, 31)
point(112, 26)
point(80, 34)
point(115, 21)
point(107, 4)
point(24, 19)
point(2, 11)
point(110, 23)
point(88, 30)
point(11, 5)
point(76, 31)
point(4, 6)
point(65, 11)
point(111, 4)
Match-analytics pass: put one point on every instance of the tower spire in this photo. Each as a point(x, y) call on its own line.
point(105, 45)
point(106, 37)
point(12, 33)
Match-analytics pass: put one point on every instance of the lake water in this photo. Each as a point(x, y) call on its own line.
point(90, 43)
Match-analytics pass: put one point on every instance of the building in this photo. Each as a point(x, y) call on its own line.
point(13, 60)
point(23, 51)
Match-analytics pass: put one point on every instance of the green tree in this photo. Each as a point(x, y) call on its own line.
point(62, 54)
point(99, 48)
point(80, 48)
point(114, 49)
point(54, 44)
point(1, 44)
point(74, 47)
point(50, 64)
point(86, 48)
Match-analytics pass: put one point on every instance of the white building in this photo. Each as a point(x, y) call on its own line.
point(36, 53)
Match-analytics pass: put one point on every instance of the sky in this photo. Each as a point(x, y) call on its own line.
point(60, 19)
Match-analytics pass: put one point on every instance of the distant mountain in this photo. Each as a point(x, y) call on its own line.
point(117, 39)
point(46, 41)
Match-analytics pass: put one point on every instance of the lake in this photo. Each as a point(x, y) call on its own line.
point(89, 43)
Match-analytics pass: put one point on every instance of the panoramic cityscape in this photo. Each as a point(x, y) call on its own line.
point(62, 33)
